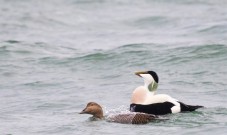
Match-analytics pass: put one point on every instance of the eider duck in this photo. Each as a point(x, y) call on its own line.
point(124, 118)
point(144, 99)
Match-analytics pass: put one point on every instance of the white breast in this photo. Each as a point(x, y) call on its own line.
point(139, 95)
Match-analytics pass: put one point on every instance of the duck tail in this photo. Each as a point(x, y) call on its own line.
point(190, 108)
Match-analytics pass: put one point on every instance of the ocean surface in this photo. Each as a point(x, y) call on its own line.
point(58, 55)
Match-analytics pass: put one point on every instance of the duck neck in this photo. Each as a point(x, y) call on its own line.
point(99, 115)
point(152, 87)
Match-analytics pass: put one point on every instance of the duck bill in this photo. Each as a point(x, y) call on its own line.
point(84, 111)
point(140, 72)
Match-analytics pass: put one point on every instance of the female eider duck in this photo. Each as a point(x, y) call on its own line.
point(144, 98)
point(124, 118)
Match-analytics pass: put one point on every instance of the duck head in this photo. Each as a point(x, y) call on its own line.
point(93, 109)
point(150, 79)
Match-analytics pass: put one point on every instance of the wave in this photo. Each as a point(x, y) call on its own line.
point(153, 21)
point(138, 55)
point(214, 29)
point(195, 53)
point(145, 54)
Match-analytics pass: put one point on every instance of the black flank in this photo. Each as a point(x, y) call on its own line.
point(156, 109)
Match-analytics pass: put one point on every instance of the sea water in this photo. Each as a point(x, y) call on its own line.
point(58, 55)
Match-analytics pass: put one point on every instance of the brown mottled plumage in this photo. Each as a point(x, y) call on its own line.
point(143, 118)
point(125, 118)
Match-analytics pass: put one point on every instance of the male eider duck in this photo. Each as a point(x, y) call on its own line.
point(124, 118)
point(144, 99)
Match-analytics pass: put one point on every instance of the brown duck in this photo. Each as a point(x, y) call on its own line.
point(125, 118)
